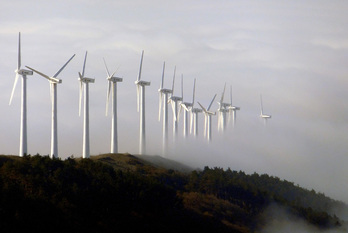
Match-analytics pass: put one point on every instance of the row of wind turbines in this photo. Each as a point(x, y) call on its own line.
point(166, 96)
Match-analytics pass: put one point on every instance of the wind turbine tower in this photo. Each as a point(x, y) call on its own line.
point(187, 106)
point(23, 147)
point(207, 123)
point(141, 107)
point(163, 100)
point(233, 110)
point(223, 109)
point(194, 114)
point(262, 115)
point(86, 81)
point(53, 85)
point(112, 84)
point(174, 100)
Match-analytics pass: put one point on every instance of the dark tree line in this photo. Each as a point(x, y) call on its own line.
point(50, 195)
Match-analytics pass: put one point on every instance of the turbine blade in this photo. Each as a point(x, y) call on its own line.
point(179, 113)
point(84, 65)
point(231, 94)
point(107, 98)
point(211, 102)
point(160, 106)
point(261, 105)
point(13, 89)
point(182, 86)
point(191, 121)
point(141, 65)
point(205, 110)
point(106, 68)
point(54, 76)
point(194, 91)
point(80, 99)
point(51, 92)
point(38, 72)
point(162, 81)
point(205, 125)
point(222, 95)
point(19, 52)
point(173, 81)
point(173, 108)
point(138, 96)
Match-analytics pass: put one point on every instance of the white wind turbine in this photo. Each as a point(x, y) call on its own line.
point(194, 113)
point(207, 123)
point(23, 147)
point(141, 107)
point(233, 109)
point(53, 86)
point(187, 106)
point(223, 109)
point(262, 115)
point(112, 84)
point(86, 81)
point(174, 100)
point(163, 100)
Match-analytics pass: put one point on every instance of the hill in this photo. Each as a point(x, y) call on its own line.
point(147, 194)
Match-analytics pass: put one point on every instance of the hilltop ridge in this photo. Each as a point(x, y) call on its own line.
point(142, 193)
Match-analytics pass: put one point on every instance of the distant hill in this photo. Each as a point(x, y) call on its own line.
point(110, 192)
point(132, 162)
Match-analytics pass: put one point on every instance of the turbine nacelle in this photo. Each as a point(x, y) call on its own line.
point(187, 106)
point(196, 110)
point(86, 80)
point(165, 91)
point(265, 116)
point(224, 105)
point(142, 83)
point(24, 72)
point(115, 79)
point(175, 98)
point(233, 108)
point(55, 80)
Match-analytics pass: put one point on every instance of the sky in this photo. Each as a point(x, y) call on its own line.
point(293, 53)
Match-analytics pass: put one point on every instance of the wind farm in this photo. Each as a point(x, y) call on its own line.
point(278, 71)
point(166, 96)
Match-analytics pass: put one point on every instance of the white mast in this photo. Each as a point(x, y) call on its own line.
point(141, 107)
point(23, 147)
point(112, 84)
point(53, 84)
point(208, 114)
point(86, 81)
point(187, 106)
point(174, 102)
point(163, 96)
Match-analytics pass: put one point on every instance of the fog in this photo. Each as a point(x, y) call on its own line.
point(293, 53)
point(283, 221)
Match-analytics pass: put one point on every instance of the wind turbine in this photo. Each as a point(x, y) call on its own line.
point(141, 106)
point(53, 85)
point(207, 123)
point(187, 106)
point(163, 100)
point(194, 113)
point(233, 109)
point(23, 147)
point(174, 100)
point(262, 115)
point(223, 109)
point(112, 84)
point(86, 81)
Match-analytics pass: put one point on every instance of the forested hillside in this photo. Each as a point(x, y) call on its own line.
point(111, 192)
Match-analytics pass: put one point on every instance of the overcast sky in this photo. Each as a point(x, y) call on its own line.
point(294, 53)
